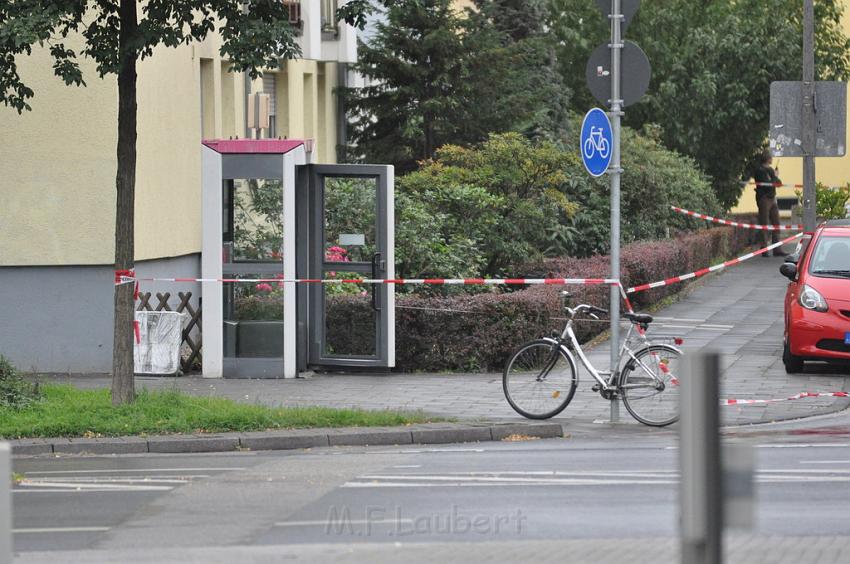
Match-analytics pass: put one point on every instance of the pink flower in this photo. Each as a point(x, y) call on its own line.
point(336, 254)
point(264, 287)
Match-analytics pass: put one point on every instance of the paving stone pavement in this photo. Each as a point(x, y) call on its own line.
point(737, 312)
point(739, 549)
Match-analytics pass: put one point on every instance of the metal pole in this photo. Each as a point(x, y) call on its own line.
point(615, 172)
point(5, 503)
point(701, 487)
point(809, 117)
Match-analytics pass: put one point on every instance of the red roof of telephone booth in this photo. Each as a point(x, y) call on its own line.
point(249, 146)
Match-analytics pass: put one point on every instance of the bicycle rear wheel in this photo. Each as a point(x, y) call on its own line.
point(650, 385)
point(540, 380)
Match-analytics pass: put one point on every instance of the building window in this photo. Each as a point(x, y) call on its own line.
point(294, 7)
point(329, 8)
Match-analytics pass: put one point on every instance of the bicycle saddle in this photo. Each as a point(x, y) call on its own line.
point(642, 318)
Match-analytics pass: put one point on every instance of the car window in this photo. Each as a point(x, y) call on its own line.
point(831, 256)
point(799, 250)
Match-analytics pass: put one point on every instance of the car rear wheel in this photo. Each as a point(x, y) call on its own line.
point(793, 364)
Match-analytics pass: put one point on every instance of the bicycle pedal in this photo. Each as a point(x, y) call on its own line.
point(596, 387)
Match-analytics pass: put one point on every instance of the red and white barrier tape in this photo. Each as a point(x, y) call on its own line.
point(802, 395)
point(774, 184)
point(793, 227)
point(399, 281)
point(715, 268)
point(128, 277)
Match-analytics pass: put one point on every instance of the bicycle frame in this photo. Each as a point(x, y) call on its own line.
point(569, 336)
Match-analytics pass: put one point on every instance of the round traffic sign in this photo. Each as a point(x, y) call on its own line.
point(597, 142)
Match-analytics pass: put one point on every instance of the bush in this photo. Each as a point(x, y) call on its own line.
point(482, 211)
point(653, 179)
point(479, 332)
point(832, 202)
point(15, 392)
point(490, 207)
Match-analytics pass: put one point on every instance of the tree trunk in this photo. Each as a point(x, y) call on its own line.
point(123, 385)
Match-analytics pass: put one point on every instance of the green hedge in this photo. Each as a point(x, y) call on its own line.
point(479, 331)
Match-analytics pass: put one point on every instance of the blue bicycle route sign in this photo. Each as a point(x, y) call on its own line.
point(596, 142)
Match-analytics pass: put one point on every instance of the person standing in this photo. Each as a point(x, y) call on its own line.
point(766, 183)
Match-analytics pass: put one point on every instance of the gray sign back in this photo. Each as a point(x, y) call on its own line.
point(786, 119)
point(627, 7)
point(634, 67)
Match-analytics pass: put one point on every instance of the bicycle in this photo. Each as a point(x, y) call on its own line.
point(596, 142)
point(541, 378)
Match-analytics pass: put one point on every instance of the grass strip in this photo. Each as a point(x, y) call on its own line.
point(65, 411)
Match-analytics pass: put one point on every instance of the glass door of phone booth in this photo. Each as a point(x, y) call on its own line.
point(351, 238)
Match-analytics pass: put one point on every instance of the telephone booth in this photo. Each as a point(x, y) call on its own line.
point(269, 213)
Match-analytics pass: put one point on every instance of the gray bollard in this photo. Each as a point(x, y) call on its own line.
point(701, 486)
point(5, 503)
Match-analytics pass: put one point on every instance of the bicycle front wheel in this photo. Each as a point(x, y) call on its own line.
point(540, 380)
point(650, 385)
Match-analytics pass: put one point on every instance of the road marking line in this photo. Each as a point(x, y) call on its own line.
point(805, 445)
point(788, 445)
point(122, 470)
point(127, 481)
point(583, 482)
point(508, 484)
point(341, 521)
point(60, 530)
point(85, 487)
point(408, 466)
point(426, 450)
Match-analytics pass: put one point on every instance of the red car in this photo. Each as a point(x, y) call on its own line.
point(817, 302)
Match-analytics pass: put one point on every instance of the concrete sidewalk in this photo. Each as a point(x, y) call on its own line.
point(738, 312)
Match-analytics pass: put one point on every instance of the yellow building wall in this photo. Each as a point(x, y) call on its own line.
point(829, 171)
point(57, 170)
point(307, 105)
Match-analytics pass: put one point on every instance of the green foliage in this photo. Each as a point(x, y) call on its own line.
point(712, 65)
point(66, 411)
point(654, 178)
point(831, 202)
point(481, 210)
point(438, 77)
point(15, 392)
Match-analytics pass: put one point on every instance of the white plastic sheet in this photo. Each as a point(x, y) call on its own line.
point(161, 335)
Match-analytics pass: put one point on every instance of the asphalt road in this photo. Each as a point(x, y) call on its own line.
point(618, 484)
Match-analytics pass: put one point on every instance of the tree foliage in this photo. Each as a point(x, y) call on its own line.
point(481, 210)
point(712, 65)
point(439, 76)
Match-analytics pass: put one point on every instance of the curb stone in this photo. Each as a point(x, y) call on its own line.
point(440, 433)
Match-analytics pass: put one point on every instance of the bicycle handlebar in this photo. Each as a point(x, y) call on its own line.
point(590, 309)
